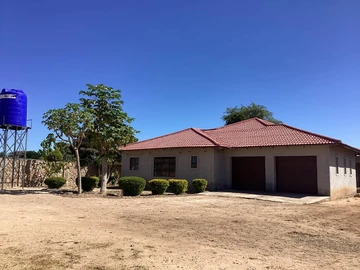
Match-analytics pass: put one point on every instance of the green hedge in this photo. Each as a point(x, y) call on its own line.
point(132, 185)
point(88, 183)
point(158, 186)
point(55, 182)
point(178, 186)
point(199, 185)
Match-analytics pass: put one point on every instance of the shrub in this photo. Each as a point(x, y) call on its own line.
point(199, 185)
point(132, 185)
point(55, 182)
point(158, 186)
point(54, 156)
point(178, 186)
point(88, 183)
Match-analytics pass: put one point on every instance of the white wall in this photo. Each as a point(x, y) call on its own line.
point(320, 151)
point(183, 170)
point(342, 184)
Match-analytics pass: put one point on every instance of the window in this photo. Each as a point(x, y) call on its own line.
point(194, 162)
point(337, 165)
point(164, 166)
point(345, 165)
point(134, 163)
point(350, 166)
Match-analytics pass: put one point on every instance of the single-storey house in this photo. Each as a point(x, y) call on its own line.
point(253, 155)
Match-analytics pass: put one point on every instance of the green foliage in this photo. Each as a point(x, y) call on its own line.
point(158, 186)
point(132, 185)
point(88, 156)
point(178, 186)
point(47, 145)
point(235, 114)
point(33, 154)
point(110, 124)
point(55, 182)
point(66, 151)
point(88, 183)
point(69, 125)
point(199, 185)
point(29, 154)
point(54, 156)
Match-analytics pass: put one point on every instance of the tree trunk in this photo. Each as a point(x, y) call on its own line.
point(104, 177)
point(78, 169)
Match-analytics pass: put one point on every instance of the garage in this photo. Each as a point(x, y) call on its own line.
point(248, 173)
point(297, 174)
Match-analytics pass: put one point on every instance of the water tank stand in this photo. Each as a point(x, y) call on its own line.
point(13, 143)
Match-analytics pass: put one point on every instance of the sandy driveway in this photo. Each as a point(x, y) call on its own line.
point(44, 231)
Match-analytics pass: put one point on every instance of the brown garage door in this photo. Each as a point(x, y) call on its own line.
point(248, 173)
point(296, 174)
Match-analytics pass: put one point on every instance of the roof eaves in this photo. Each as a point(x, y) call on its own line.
point(356, 150)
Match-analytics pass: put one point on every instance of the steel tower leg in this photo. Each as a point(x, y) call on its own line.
point(3, 160)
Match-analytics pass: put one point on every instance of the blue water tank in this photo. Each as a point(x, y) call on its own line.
point(13, 108)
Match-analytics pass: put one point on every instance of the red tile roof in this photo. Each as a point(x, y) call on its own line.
point(253, 132)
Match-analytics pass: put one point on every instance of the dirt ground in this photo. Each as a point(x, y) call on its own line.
point(46, 231)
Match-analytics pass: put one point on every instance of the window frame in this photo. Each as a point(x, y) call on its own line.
point(196, 164)
point(350, 166)
point(345, 168)
point(170, 164)
point(138, 163)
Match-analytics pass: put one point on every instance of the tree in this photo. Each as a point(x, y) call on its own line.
point(69, 125)
point(29, 154)
point(111, 125)
point(235, 114)
point(56, 154)
point(48, 145)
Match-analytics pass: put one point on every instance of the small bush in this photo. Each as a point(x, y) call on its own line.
point(88, 183)
point(199, 185)
point(55, 182)
point(178, 186)
point(132, 185)
point(158, 186)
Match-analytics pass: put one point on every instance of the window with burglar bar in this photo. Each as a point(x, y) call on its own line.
point(164, 166)
point(134, 163)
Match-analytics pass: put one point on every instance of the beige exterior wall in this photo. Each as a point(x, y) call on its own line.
point(342, 184)
point(183, 169)
point(358, 172)
point(215, 165)
point(320, 151)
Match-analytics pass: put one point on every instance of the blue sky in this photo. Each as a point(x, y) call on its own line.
point(179, 64)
